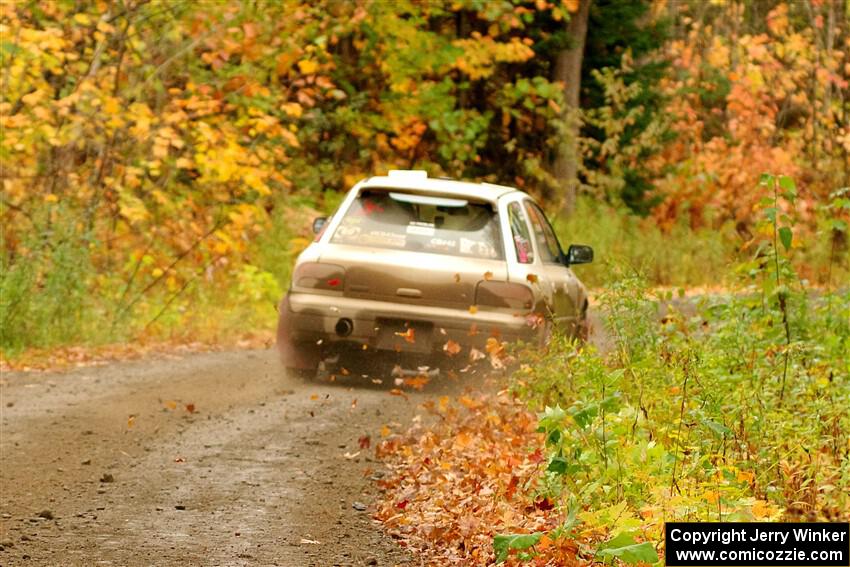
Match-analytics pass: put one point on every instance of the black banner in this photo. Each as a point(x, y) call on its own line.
point(741, 544)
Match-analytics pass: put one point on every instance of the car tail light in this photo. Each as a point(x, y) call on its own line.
point(315, 275)
point(504, 294)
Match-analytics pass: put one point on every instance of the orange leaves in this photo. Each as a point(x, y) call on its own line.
point(409, 335)
point(461, 441)
point(469, 403)
point(451, 348)
point(417, 382)
point(456, 484)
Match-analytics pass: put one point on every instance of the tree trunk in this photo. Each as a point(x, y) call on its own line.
point(568, 72)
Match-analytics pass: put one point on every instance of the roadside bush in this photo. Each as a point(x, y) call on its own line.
point(44, 293)
point(726, 407)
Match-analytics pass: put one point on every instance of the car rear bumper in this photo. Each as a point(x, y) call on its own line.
point(384, 325)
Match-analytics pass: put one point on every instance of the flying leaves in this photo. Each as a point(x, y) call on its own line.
point(408, 335)
point(451, 348)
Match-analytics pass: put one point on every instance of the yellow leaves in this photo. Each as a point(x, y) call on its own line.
point(104, 27)
point(308, 66)
point(82, 19)
point(571, 5)
point(761, 510)
point(755, 79)
point(33, 98)
point(718, 54)
point(292, 109)
point(143, 118)
point(745, 476)
point(481, 54)
point(131, 207)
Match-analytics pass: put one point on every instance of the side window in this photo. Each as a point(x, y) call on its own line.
point(519, 232)
point(547, 242)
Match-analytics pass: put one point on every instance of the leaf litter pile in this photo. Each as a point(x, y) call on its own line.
point(455, 486)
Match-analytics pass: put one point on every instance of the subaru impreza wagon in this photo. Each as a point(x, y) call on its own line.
point(412, 264)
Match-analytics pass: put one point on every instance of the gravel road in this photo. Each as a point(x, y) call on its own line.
point(211, 459)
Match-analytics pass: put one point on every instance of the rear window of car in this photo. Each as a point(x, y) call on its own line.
point(421, 223)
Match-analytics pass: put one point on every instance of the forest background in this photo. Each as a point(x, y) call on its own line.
point(162, 160)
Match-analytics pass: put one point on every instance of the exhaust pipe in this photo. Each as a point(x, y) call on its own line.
point(344, 327)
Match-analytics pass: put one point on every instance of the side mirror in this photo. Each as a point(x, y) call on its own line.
point(319, 224)
point(579, 254)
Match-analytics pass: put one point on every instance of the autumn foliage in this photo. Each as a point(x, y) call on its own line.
point(161, 161)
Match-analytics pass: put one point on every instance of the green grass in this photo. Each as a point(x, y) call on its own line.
point(682, 256)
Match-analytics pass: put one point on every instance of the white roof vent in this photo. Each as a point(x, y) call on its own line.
point(408, 173)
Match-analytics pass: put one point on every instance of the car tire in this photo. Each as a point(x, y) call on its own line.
point(303, 360)
point(582, 332)
point(300, 373)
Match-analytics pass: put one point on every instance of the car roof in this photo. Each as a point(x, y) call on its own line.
point(419, 181)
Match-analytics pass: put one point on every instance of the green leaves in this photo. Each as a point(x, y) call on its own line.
point(788, 187)
point(503, 544)
point(551, 419)
point(785, 236)
point(624, 547)
point(717, 428)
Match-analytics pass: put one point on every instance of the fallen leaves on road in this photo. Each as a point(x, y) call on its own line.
point(417, 382)
point(63, 358)
point(471, 476)
point(397, 392)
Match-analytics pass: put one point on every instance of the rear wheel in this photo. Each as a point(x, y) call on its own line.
point(302, 360)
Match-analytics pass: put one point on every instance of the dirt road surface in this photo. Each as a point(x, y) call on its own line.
point(212, 459)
